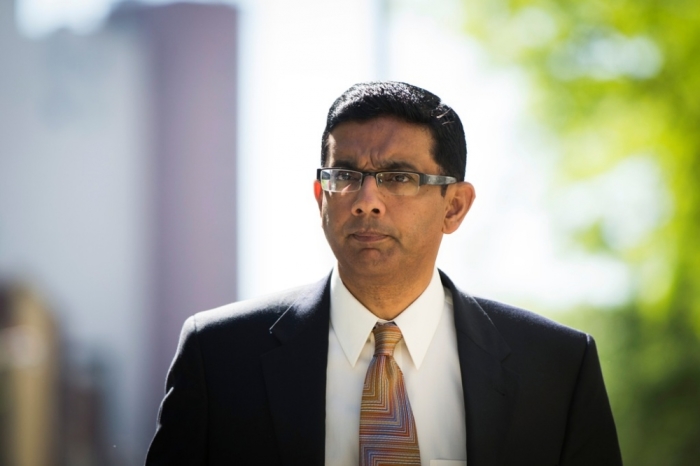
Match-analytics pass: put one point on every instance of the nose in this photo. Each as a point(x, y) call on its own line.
point(369, 199)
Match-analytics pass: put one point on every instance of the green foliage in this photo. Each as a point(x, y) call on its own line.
point(615, 80)
point(652, 372)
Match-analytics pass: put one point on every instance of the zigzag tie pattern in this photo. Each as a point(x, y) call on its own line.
point(388, 434)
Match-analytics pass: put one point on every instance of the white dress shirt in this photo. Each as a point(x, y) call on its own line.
point(427, 356)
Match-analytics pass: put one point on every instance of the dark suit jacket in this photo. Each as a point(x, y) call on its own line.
point(248, 386)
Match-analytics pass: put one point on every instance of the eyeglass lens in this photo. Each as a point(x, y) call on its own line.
point(398, 183)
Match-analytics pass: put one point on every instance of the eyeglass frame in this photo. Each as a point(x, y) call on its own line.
point(423, 179)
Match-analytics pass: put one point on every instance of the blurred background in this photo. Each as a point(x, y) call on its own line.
point(157, 159)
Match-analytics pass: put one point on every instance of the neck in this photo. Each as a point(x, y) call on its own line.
point(386, 297)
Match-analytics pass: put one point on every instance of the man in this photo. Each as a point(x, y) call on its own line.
point(385, 361)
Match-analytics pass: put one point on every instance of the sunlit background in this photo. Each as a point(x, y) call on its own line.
point(157, 159)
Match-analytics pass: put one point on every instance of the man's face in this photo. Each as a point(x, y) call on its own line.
point(375, 234)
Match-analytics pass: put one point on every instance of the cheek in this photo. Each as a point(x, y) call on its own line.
point(330, 219)
point(426, 224)
point(325, 217)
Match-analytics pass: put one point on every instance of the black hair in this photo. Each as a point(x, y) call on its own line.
point(365, 101)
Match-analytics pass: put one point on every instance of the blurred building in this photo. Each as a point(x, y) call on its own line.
point(30, 391)
point(118, 203)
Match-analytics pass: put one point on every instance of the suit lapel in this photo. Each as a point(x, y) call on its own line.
point(295, 376)
point(489, 388)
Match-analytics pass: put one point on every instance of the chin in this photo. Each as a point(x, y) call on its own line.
point(372, 268)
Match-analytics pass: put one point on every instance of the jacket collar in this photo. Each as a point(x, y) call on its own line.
point(490, 389)
point(295, 376)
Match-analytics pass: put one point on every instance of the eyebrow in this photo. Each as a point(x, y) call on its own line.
point(387, 166)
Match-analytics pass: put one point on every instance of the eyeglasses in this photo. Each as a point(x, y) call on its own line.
point(342, 180)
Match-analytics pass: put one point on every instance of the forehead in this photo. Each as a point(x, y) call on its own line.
point(381, 143)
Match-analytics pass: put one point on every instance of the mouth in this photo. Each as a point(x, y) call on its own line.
point(368, 236)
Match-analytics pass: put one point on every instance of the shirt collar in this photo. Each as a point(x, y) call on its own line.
point(353, 323)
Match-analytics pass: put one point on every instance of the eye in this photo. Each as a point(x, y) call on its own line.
point(400, 177)
point(344, 175)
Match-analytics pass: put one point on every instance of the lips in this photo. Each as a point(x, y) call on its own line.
point(368, 236)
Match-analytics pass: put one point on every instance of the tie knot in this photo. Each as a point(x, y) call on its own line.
point(385, 339)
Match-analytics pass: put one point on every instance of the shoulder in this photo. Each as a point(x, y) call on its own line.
point(510, 321)
point(253, 316)
point(506, 316)
point(528, 343)
point(534, 337)
point(522, 335)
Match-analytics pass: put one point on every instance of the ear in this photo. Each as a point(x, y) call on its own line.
point(460, 197)
point(318, 193)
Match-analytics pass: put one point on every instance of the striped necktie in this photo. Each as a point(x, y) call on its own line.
point(387, 429)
